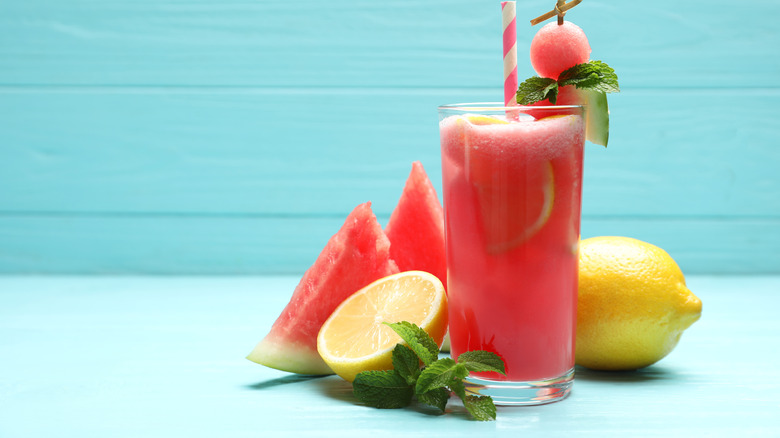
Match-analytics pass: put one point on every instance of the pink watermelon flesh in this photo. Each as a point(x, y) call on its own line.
point(416, 227)
point(354, 257)
point(556, 48)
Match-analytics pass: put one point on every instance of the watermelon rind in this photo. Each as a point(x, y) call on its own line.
point(290, 357)
point(358, 254)
point(596, 116)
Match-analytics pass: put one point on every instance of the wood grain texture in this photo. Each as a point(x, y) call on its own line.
point(162, 357)
point(371, 44)
point(188, 136)
point(248, 151)
point(160, 244)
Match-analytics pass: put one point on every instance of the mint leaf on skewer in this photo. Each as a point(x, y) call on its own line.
point(535, 89)
point(591, 81)
point(593, 75)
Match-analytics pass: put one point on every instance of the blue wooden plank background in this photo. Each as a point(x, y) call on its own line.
point(195, 136)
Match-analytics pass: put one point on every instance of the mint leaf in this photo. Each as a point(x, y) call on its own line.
point(535, 89)
point(459, 388)
point(480, 407)
point(594, 75)
point(439, 374)
point(406, 363)
point(418, 340)
point(480, 360)
point(436, 397)
point(382, 389)
point(433, 384)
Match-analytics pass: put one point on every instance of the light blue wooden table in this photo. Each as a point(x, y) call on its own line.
point(164, 357)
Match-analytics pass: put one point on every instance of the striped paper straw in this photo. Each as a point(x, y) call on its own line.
point(508, 15)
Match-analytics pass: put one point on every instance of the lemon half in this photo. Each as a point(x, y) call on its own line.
point(354, 338)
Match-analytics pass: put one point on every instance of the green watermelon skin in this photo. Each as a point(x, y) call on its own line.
point(416, 227)
point(354, 257)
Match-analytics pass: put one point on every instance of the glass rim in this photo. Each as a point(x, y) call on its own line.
point(498, 106)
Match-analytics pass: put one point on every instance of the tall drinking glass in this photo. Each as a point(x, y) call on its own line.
point(512, 179)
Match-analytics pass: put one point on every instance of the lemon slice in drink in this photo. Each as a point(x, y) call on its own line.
point(476, 119)
point(512, 215)
point(354, 338)
point(515, 186)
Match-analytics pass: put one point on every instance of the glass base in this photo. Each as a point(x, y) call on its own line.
point(511, 393)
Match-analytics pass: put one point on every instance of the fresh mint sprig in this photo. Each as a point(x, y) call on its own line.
point(383, 389)
point(432, 384)
point(593, 75)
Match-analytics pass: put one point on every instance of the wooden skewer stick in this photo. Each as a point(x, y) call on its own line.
point(559, 11)
point(558, 5)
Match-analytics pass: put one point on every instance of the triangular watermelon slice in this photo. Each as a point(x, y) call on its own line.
point(416, 227)
point(354, 257)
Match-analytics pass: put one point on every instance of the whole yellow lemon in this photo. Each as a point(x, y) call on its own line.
point(633, 304)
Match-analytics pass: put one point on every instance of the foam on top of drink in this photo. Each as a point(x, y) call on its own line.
point(525, 139)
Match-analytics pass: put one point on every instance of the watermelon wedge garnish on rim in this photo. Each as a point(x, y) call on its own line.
point(354, 257)
point(416, 227)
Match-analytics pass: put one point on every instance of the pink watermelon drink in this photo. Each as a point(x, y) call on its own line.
point(512, 194)
point(512, 191)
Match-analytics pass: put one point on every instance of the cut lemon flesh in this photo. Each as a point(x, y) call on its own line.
point(513, 216)
point(476, 119)
point(354, 338)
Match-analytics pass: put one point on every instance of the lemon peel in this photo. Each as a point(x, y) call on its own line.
point(633, 304)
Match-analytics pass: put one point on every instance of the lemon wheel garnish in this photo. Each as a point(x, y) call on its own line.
point(515, 217)
point(354, 338)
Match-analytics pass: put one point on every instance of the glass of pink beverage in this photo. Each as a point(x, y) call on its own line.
point(512, 180)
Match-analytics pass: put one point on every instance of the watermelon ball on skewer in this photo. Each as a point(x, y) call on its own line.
point(559, 47)
point(556, 48)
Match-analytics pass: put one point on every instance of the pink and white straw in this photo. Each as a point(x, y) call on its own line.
point(508, 18)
